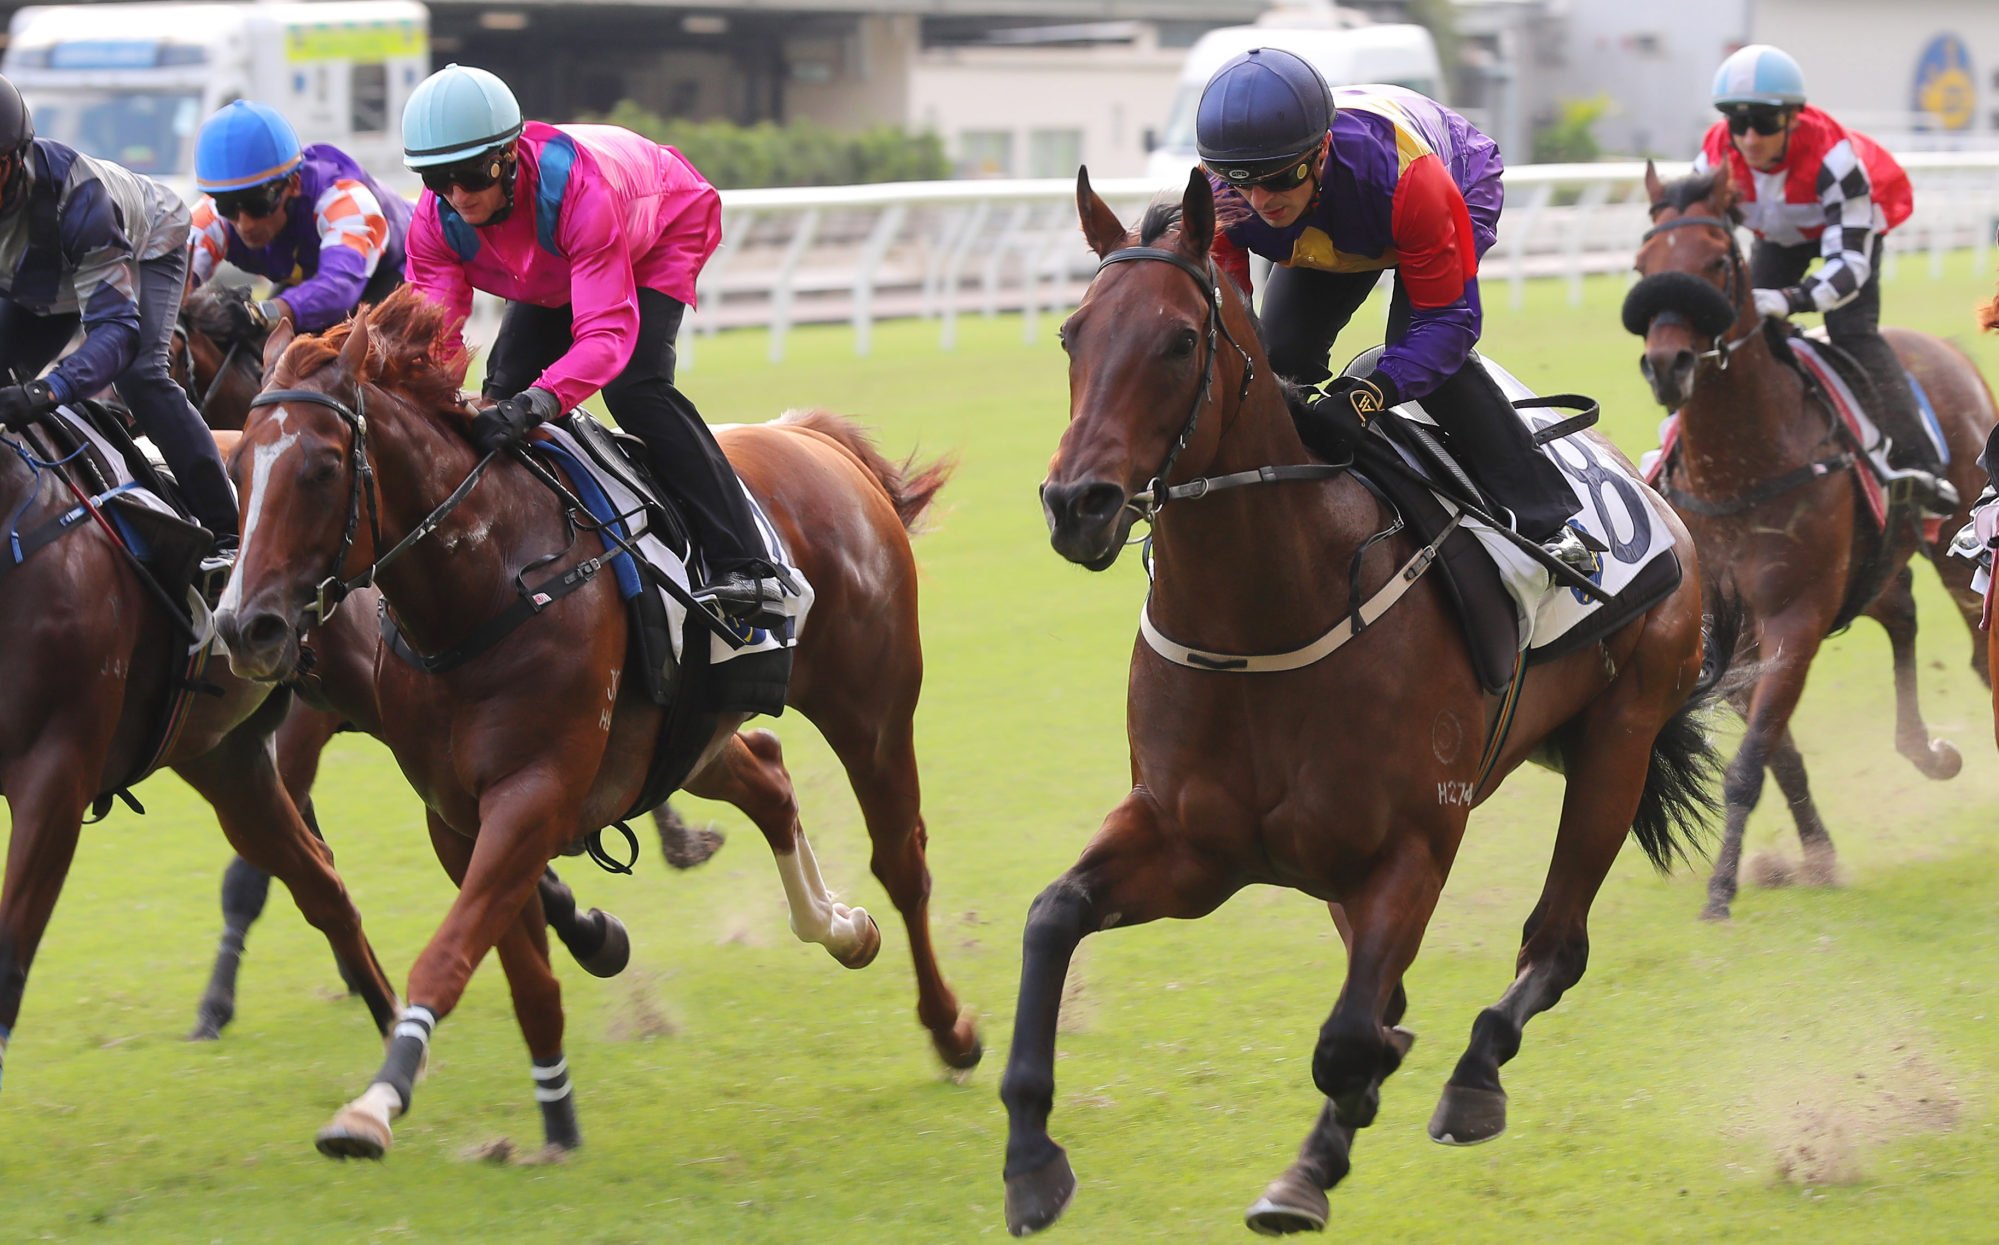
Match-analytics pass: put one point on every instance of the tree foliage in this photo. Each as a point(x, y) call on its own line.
point(803, 153)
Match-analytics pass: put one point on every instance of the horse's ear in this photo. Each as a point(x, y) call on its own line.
point(1655, 187)
point(1101, 227)
point(1197, 214)
point(274, 345)
point(1723, 194)
point(354, 354)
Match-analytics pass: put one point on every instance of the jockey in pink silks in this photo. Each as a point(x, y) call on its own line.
point(594, 236)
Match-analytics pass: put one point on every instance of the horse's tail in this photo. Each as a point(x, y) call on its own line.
point(910, 488)
point(1676, 812)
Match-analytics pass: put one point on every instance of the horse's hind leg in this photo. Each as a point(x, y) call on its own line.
point(1768, 717)
point(46, 797)
point(1895, 610)
point(1787, 765)
point(356, 1132)
point(749, 773)
point(881, 764)
point(1129, 874)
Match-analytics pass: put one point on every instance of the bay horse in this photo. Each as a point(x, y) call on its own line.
point(1349, 778)
point(221, 373)
point(541, 738)
point(91, 659)
point(1778, 527)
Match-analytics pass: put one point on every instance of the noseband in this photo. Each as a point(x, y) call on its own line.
point(1724, 346)
point(1156, 493)
point(333, 589)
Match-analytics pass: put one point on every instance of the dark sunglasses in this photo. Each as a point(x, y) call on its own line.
point(1290, 177)
point(477, 174)
point(1762, 118)
point(258, 201)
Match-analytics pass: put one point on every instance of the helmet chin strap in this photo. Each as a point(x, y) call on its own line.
point(509, 171)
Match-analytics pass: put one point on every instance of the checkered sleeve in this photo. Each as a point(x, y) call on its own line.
point(207, 242)
point(1847, 245)
point(353, 236)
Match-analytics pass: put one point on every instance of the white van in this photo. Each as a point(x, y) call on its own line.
point(133, 82)
point(1344, 49)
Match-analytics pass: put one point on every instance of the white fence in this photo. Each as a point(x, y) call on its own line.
point(938, 250)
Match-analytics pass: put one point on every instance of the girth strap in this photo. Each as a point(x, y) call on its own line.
point(1769, 490)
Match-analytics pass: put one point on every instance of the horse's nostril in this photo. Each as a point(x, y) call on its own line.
point(264, 631)
point(1099, 502)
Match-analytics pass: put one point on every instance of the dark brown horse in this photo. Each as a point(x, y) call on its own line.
point(1777, 528)
point(221, 373)
point(1350, 778)
point(90, 662)
point(542, 738)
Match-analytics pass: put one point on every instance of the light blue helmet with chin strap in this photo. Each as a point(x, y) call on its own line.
point(1759, 74)
point(457, 113)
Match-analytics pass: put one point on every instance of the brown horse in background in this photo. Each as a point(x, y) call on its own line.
point(542, 739)
point(91, 658)
point(1777, 527)
point(220, 373)
point(1349, 779)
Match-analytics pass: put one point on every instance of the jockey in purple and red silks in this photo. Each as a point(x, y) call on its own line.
point(1336, 186)
point(594, 235)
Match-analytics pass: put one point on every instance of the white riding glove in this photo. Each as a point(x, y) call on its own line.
point(1771, 303)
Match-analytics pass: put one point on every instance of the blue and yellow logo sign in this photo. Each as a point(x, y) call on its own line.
point(1945, 88)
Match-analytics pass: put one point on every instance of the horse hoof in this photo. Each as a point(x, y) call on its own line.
point(353, 1135)
point(1467, 1116)
point(611, 958)
point(863, 952)
point(1401, 1039)
point(1290, 1204)
point(1945, 761)
point(960, 1048)
point(1037, 1199)
point(210, 1018)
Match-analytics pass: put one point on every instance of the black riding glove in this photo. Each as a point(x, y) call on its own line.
point(21, 405)
point(1336, 420)
point(507, 424)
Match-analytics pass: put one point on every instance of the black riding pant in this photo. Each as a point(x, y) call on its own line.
point(644, 401)
point(1856, 329)
point(30, 342)
point(1304, 311)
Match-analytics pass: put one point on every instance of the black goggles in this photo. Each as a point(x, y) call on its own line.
point(258, 201)
point(1289, 175)
point(1762, 118)
point(481, 172)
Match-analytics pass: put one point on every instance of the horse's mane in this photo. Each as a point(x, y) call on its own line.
point(1160, 216)
point(413, 342)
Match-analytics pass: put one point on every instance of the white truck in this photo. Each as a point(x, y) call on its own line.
point(133, 82)
point(1345, 48)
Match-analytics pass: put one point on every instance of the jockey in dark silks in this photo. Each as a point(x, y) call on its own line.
point(594, 236)
point(1335, 187)
point(308, 219)
point(1810, 188)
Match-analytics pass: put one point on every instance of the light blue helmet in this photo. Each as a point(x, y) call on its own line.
point(1759, 74)
point(245, 144)
point(455, 114)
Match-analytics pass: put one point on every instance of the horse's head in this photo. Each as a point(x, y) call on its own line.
point(215, 364)
point(1149, 355)
point(314, 510)
point(1693, 286)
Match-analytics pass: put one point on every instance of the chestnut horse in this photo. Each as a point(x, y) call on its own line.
point(1784, 532)
point(541, 739)
point(90, 662)
point(1328, 778)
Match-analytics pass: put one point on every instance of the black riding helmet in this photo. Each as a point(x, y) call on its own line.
point(17, 126)
point(1260, 112)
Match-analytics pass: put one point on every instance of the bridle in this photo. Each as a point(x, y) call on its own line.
point(334, 589)
point(187, 360)
point(1724, 346)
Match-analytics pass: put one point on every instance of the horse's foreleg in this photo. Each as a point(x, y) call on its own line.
point(881, 765)
point(1895, 610)
point(239, 779)
point(749, 773)
point(1787, 765)
point(1129, 874)
point(1789, 652)
point(518, 823)
point(46, 795)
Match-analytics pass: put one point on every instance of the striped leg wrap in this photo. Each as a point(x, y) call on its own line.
point(408, 1042)
point(552, 1091)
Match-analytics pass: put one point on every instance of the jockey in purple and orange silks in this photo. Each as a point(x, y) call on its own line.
point(1336, 187)
point(594, 235)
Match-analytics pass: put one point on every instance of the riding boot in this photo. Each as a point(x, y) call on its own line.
point(1912, 455)
point(1490, 441)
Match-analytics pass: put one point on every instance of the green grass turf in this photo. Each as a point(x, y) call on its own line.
point(1822, 1068)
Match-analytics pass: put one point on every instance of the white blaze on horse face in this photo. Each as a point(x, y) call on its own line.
point(263, 459)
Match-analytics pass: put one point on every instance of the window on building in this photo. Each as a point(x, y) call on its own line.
point(368, 99)
point(1054, 153)
point(985, 153)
